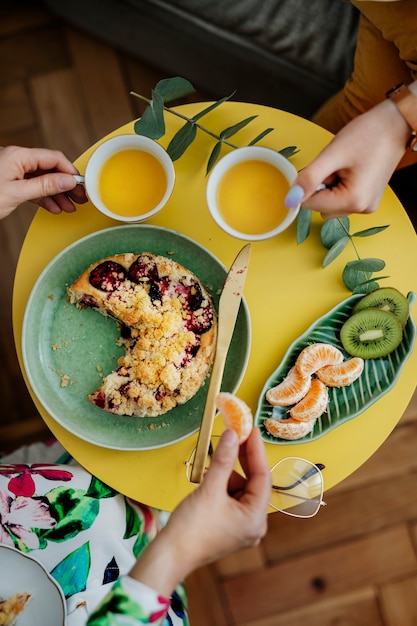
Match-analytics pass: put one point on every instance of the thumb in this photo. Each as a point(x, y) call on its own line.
point(223, 461)
point(295, 195)
point(305, 185)
point(309, 181)
point(46, 185)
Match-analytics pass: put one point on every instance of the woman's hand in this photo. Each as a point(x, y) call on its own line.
point(43, 176)
point(356, 166)
point(225, 514)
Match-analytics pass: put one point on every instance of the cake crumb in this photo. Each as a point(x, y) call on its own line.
point(65, 379)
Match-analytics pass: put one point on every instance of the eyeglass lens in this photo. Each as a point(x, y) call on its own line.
point(297, 487)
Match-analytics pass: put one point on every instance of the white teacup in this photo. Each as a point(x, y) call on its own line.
point(129, 178)
point(246, 191)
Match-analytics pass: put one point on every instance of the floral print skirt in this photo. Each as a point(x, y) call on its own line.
point(88, 537)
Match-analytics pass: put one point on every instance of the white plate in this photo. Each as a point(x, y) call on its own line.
point(22, 573)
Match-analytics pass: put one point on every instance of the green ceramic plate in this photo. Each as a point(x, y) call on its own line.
point(65, 349)
point(345, 403)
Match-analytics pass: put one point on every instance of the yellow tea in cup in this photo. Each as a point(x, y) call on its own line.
point(132, 182)
point(129, 178)
point(251, 196)
point(246, 191)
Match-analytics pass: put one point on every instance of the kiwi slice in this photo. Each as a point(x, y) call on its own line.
point(371, 333)
point(387, 299)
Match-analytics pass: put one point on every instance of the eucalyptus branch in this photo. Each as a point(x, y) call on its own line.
point(350, 236)
point(186, 119)
point(152, 122)
point(335, 235)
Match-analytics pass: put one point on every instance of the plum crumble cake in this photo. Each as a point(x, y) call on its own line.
point(168, 326)
point(11, 608)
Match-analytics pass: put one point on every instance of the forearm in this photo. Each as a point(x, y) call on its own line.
point(161, 566)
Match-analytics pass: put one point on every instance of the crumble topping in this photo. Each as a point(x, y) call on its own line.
point(168, 327)
point(11, 607)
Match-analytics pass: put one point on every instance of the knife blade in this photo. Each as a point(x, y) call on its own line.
point(229, 304)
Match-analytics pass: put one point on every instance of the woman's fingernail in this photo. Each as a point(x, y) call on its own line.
point(229, 437)
point(66, 182)
point(294, 197)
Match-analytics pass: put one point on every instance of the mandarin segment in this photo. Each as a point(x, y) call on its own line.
point(236, 414)
point(289, 391)
point(289, 429)
point(342, 374)
point(313, 404)
point(305, 388)
point(317, 355)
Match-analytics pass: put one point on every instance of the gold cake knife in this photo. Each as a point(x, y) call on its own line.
point(229, 304)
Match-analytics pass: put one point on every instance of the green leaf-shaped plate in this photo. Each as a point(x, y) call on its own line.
point(345, 403)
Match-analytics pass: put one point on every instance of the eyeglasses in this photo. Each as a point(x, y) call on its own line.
point(297, 484)
point(297, 487)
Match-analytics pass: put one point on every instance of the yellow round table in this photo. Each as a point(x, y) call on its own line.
point(286, 291)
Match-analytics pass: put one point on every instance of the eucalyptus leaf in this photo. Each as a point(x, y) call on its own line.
point(370, 231)
point(174, 88)
point(232, 130)
point(367, 265)
point(375, 278)
point(261, 135)
point(212, 107)
point(333, 230)
point(289, 151)
point(214, 156)
point(336, 249)
point(353, 278)
point(366, 287)
point(369, 285)
point(152, 123)
point(303, 225)
point(182, 140)
point(383, 277)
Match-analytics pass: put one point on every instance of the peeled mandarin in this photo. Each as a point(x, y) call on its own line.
point(291, 390)
point(288, 428)
point(317, 355)
point(236, 414)
point(313, 404)
point(343, 374)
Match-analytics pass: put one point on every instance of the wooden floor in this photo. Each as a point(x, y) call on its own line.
point(355, 564)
